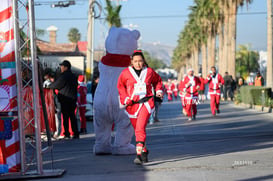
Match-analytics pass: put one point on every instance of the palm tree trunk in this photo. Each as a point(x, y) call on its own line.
point(221, 61)
point(226, 40)
point(232, 37)
point(181, 72)
point(204, 60)
point(209, 52)
point(269, 73)
point(196, 61)
point(213, 50)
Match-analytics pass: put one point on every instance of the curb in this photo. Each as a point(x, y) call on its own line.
point(256, 107)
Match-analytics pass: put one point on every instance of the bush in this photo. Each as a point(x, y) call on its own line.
point(255, 95)
point(237, 98)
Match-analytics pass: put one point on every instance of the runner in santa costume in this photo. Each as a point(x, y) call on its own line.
point(169, 86)
point(182, 94)
point(175, 88)
point(190, 85)
point(135, 90)
point(81, 102)
point(215, 81)
point(201, 90)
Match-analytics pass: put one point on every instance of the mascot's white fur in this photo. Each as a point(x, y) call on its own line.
point(120, 44)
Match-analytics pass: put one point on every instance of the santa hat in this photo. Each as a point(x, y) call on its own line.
point(81, 78)
point(190, 69)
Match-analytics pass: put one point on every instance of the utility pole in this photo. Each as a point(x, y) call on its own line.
point(269, 72)
point(90, 41)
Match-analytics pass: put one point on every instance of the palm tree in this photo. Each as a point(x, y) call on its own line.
point(246, 61)
point(113, 17)
point(269, 73)
point(73, 35)
point(233, 7)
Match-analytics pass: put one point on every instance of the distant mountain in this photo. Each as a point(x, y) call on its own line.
point(159, 51)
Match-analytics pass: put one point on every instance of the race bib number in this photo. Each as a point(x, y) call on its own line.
point(140, 89)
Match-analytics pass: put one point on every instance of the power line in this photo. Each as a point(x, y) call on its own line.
point(139, 17)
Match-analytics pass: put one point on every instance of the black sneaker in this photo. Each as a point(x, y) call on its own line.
point(138, 160)
point(83, 131)
point(218, 111)
point(144, 156)
point(76, 137)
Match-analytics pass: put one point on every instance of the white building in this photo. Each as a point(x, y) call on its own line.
point(263, 62)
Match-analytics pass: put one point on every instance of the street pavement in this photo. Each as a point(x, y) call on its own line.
point(237, 145)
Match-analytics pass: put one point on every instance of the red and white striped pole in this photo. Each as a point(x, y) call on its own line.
point(9, 129)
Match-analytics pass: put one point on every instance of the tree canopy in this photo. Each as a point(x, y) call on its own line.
point(74, 35)
point(246, 61)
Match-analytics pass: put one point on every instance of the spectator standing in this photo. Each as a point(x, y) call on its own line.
point(228, 86)
point(81, 102)
point(67, 96)
point(259, 80)
point(58, 113)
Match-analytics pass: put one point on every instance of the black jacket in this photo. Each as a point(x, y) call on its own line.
point(67, 85)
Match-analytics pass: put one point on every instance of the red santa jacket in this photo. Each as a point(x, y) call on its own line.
point(175, 86)
point(190, 85)
point(180, 88)
point(134, 87)
point(82, 92)
point(215, 83)
point(169, 87)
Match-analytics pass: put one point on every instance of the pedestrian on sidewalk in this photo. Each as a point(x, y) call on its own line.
point(215, 82)
point(135, 90)
point(67, 95)
point(191, 85)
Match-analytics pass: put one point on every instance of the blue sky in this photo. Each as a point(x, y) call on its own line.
point(157, 20)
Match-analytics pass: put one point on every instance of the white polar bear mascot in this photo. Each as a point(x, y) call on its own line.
point(120, 44)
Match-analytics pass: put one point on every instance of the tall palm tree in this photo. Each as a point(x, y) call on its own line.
point(113, 17)
point(74, 35)
point(269, 72)
point(233, 7)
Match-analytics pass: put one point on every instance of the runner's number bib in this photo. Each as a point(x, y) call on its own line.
point(140, 89)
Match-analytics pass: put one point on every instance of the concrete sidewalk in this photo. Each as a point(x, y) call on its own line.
point(236, 145)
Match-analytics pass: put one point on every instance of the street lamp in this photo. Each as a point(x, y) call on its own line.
point(63, 4)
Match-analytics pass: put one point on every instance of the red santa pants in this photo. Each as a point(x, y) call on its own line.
point(139, 124)
point(214, 102)
point(175, 94)
point(170, 96)
point(82, 111)
point(191, 109)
